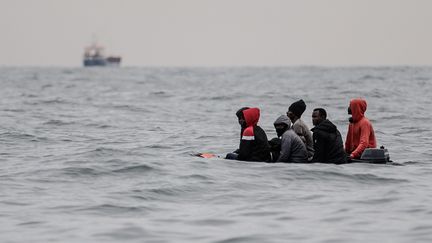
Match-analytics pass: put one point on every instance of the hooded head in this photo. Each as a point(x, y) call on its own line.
point(240, 116)
point(282, 124)
point(358, 108)
point(297, 108)
point(239, 113)
point(251, 116)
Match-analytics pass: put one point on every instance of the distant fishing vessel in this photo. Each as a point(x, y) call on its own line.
point(94, 56)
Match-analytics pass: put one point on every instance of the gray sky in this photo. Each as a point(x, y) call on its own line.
point(218, 32)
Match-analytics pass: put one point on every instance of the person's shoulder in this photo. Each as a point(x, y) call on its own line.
point(303, 124)
point(258, 130)
point(316, 132)
point(297, 126)
point(365, 122)
point(248, 131)
point(290, 133)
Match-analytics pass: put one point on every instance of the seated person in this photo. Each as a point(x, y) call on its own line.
point(328, 144)
point(360, 134)
point(294, 113)
point(292, 148)
point(253, 144)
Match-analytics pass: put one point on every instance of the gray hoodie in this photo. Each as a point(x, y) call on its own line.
point(293, 150)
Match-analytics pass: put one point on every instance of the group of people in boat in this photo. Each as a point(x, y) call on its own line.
point(295, 143)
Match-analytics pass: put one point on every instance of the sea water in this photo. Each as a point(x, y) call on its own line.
point(103, 155)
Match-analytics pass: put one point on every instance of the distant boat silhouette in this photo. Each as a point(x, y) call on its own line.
point(94, 56)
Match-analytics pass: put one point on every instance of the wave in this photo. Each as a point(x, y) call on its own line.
point(110, 209)
point(58, 123)
point(158, 146)
point(80, 171)
point(54, 101)
point(13, 136)
point(411, 131)
point(161, 94)
point(371, 77)
point(14, 110)
point(98, 125)
point(328, 175)
point(93, 172)
point(128, 108)
point(212, 222)
point(134, 169)
point(245, 239)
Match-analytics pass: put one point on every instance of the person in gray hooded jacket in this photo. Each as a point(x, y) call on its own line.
point(292, 150)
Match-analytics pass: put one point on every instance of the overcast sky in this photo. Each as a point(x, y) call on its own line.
point(218, 32)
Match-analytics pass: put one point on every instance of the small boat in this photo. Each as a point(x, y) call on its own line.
point(94, 56)
point(369, 156)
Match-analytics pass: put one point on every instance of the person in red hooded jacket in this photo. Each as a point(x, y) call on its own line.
point(253, 143)
point(360, 134)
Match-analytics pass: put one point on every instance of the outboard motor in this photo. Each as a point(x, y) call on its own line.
point(376, 156)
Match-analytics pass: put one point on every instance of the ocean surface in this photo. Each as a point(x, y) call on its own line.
point(104, 155)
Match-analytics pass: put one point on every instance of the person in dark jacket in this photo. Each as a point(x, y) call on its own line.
point(253, 144)
point(328, 143)
point(292, 148)
point(275, 147)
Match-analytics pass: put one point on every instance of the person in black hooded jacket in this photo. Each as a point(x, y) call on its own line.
point(328, 143)
point(253, 143)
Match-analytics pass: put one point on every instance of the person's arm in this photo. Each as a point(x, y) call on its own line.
point(365, 131)
point(285, 152)
point(246, 144)
point(348, 139)
point(319, 147)
point(237, 151)
point(275, 148)
point(299, 131)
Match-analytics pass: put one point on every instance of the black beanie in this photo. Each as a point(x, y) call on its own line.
point(239, 113)
point(297, 108)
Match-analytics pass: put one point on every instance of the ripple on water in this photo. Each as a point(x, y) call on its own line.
point(58, 123)
point(112, 209)
point(362, 178)
point(134, 169)
point(245, 239)
point(126, 233)
point(16, 136)
point(212, 222)
point(81, 171)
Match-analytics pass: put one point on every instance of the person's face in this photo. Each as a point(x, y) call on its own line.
point(349, 110)
point(279, 126)
point(242, 122)
point(316, 118)
point(280, 129)
point(290, 115)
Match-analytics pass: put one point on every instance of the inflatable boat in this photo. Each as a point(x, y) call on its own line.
point(370, 156)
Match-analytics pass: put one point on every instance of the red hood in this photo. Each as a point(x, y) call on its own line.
point(358, 108)
point(251, 116)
